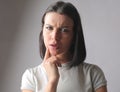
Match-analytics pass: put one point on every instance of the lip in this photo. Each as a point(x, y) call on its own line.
point(54, 46)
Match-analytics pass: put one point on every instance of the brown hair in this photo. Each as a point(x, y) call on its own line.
point(77, 49)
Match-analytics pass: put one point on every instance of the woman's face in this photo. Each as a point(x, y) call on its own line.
point(57, 33)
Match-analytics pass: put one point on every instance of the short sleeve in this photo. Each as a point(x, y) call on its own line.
point(98, 78)
point(28, 80)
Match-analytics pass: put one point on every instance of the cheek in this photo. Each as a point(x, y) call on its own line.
point(67, 42)
point(45, 39)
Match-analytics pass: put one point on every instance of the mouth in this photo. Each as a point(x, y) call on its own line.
point(54, 46)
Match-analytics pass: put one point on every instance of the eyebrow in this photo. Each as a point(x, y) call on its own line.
point(66, 26)
point(53, 26)
point(48, 24)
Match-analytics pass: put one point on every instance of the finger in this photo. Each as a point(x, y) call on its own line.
point(61, 55)
point(58, 64)
point(57, 61)
point(47, 54)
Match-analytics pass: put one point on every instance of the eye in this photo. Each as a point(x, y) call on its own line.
point(49, 27)
point(64, 29)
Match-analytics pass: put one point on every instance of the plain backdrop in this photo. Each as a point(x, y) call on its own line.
point(20, 25)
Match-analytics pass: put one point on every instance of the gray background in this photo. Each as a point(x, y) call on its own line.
point(19, 34)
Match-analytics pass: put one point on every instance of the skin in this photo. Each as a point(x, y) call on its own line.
point(57, 34)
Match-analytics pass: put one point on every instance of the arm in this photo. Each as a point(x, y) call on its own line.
point(99, 80)
point(51, 87)
point(102, 89)
point(51, 66)
point(25, 90)
point(52, 78)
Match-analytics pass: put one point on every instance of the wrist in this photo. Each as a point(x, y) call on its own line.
point(53, 81)
point(52, 85)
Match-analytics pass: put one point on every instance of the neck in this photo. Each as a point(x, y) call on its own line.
point(64, 58)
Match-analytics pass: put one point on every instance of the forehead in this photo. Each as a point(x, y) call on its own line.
point(54, 18)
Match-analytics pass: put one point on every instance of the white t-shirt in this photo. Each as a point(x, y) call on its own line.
point(83, 78)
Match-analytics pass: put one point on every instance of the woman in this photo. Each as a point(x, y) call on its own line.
point(62, 49)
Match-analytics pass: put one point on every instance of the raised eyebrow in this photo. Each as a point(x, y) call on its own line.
point(67, 26)
point(48, 25)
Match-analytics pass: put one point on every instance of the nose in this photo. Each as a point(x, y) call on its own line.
point(56, 35)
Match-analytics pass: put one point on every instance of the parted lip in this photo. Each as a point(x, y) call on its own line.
point(56, 46)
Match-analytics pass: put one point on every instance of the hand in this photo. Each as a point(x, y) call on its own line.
point(51, 64)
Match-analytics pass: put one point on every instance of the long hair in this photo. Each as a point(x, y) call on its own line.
point(77, 48)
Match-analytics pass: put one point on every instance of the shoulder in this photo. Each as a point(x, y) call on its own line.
point(96, 75)
point(93, 70)
point(30, 72)
point(29, 77)
point(87, 67)
point(90, 67)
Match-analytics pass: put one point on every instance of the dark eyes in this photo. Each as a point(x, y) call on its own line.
point(63, 29)
point(49, 28)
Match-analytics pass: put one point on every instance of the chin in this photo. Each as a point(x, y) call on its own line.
point(53, 53)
